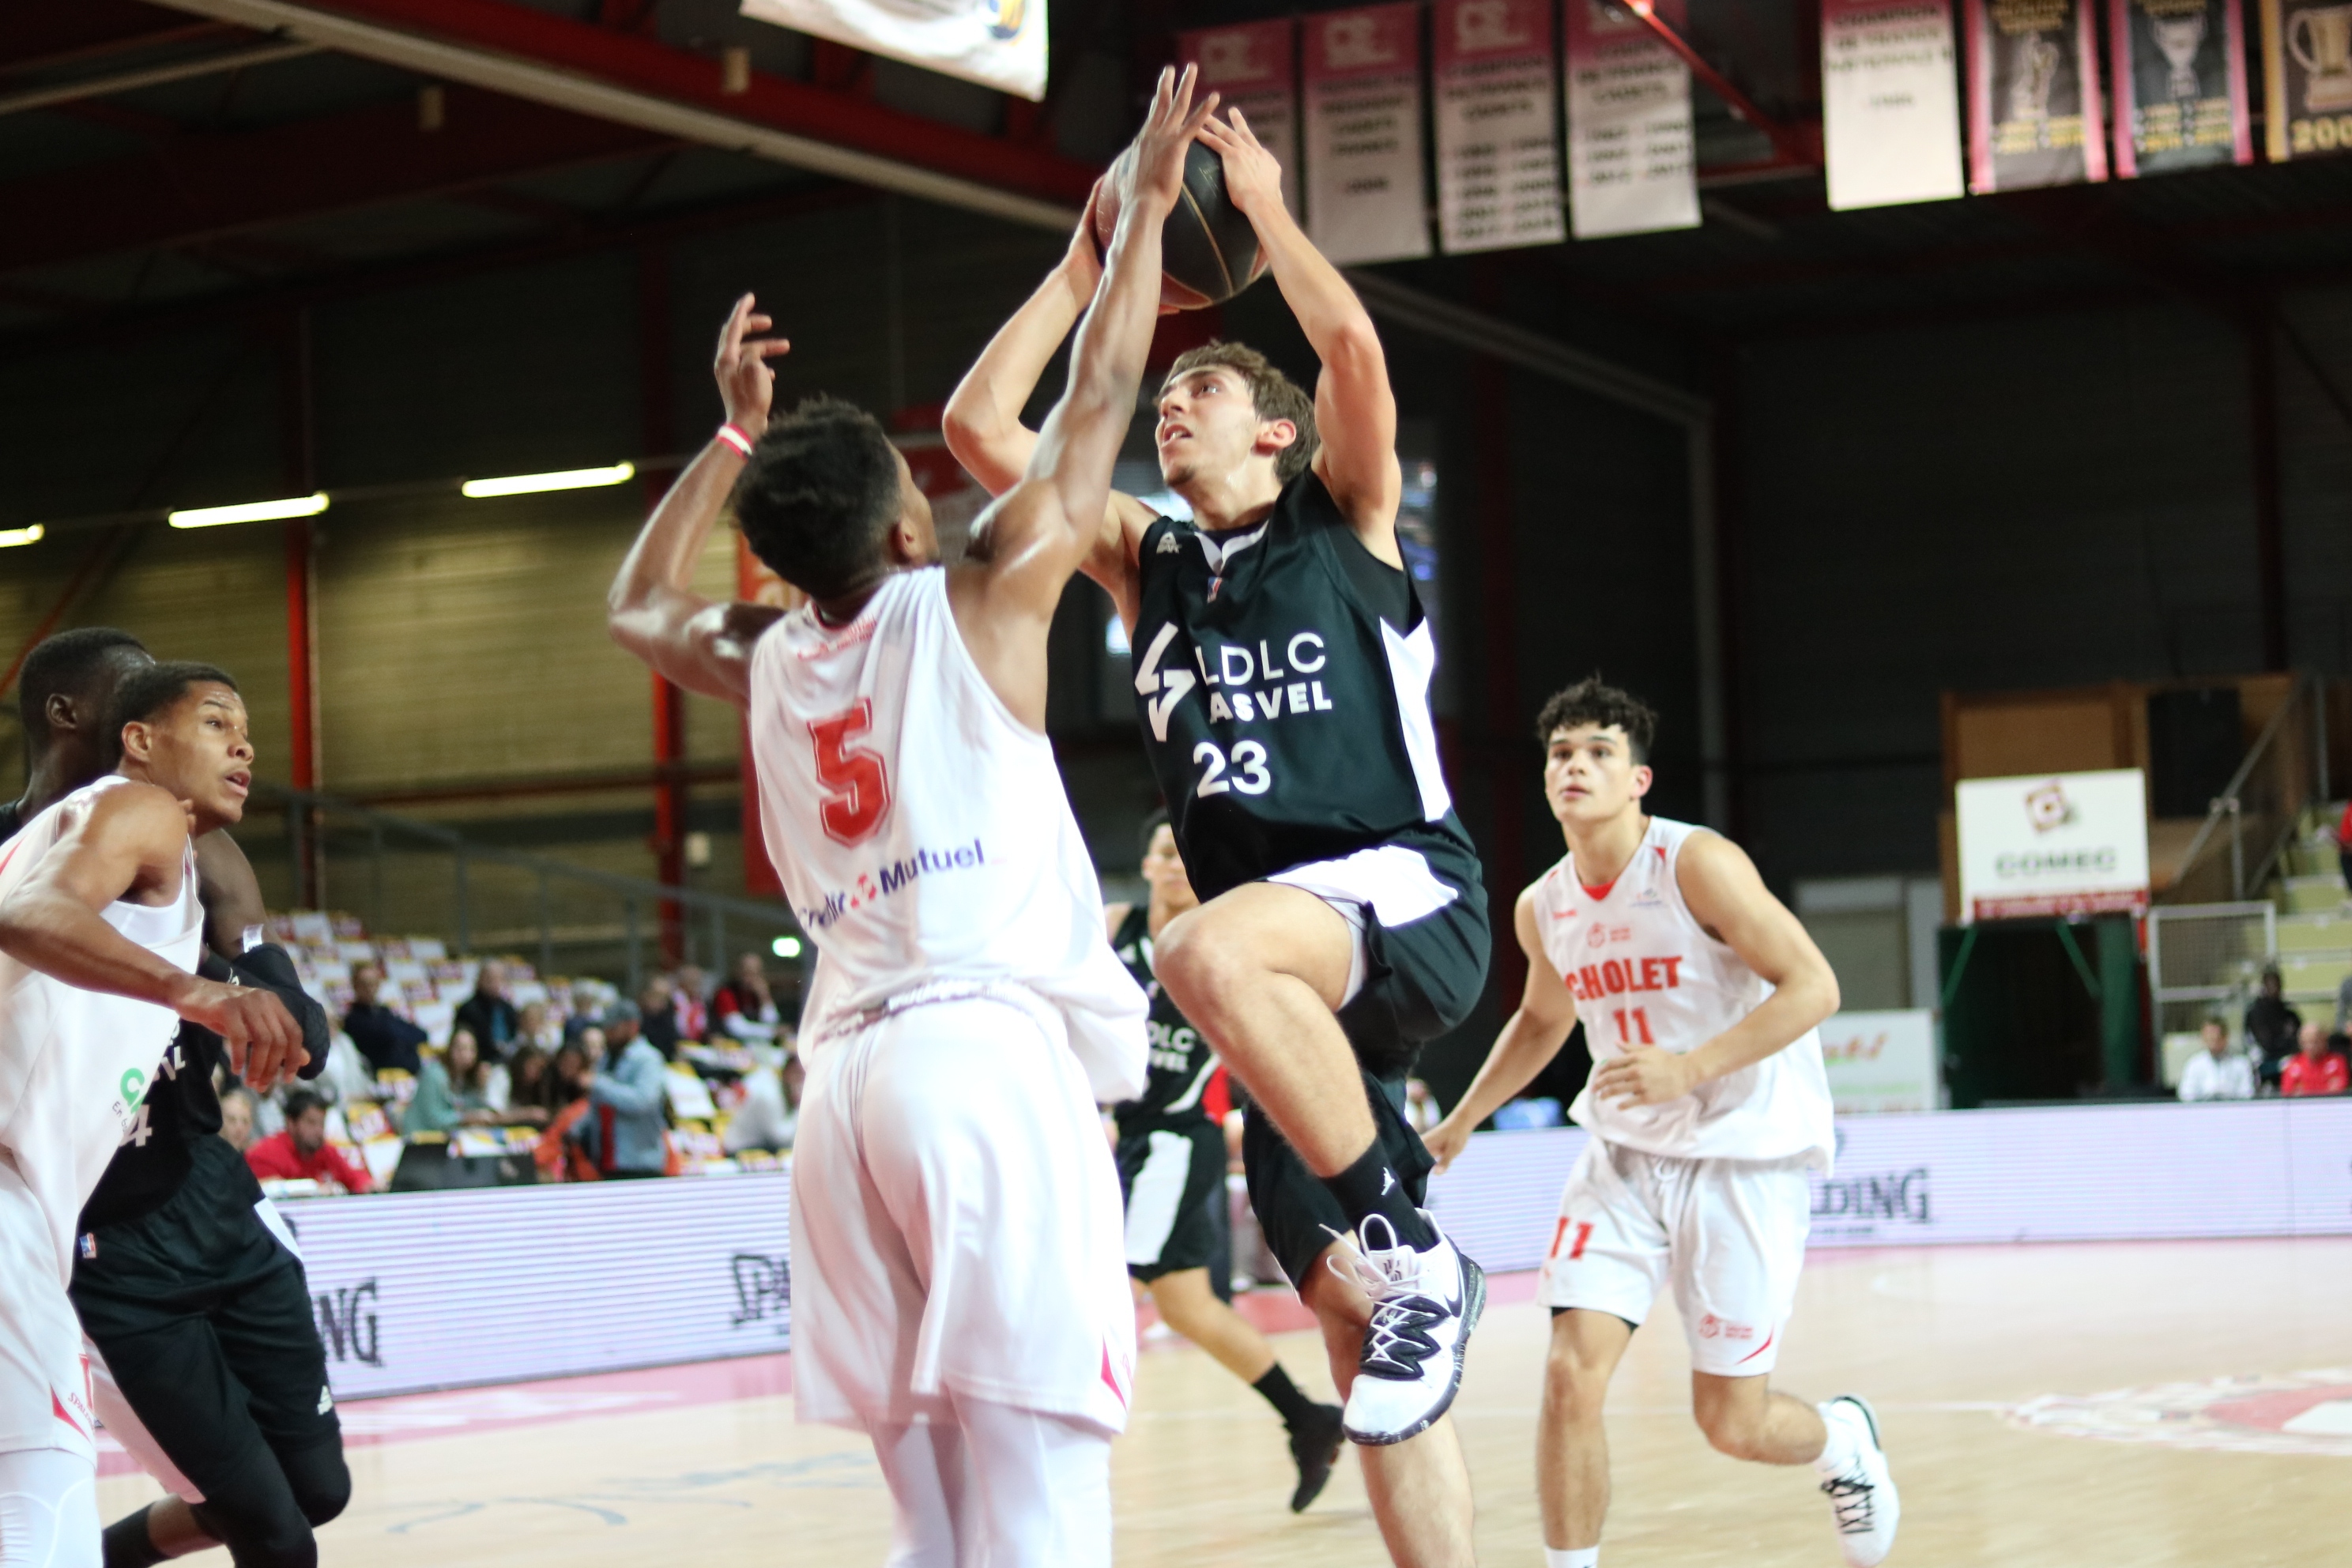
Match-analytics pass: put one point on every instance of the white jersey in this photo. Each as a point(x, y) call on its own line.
point(921, 831)
point(1644, 972)
point(74, 1068)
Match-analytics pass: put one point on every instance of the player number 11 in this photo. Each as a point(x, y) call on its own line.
point(1641, 1027)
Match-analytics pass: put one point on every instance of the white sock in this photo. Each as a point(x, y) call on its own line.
point(1571, 1556)
point(1843, 1450)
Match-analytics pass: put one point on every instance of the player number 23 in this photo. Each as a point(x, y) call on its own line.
point(1249, 760)
point(856, 783)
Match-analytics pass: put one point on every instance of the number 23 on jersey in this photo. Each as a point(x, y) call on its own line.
point(856, 781)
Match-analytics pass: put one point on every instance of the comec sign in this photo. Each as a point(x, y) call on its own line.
point(2054, 844)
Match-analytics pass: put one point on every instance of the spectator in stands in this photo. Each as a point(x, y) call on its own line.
point(690, 999)
point(2343, 1007)
point(534, 1025)
point(625, 1131)
point(530, 1089)
point(2270, 1028)
point(489, 1015)
point(2217, 1072)
point(454, 1089)
point(2314, 1068)
point(236, 1119)
point(657, 1016)
point(745, 1007)
point(2344, 856)
point(559, 1157)
point(301, 1152)
point(388, 1040)
point(770, 1111)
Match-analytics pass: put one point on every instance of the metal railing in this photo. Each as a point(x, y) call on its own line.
point(419, 877)
point(2257, 811)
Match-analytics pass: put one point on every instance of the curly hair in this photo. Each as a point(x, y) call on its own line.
point(1272, 394)
point(819, 497)
point(1594, 701)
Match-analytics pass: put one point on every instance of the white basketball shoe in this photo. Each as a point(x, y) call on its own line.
point(1862, 1498)
point(1425, 1306)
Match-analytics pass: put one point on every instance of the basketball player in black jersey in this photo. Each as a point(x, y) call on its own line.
point(1171, 1167)
point(1281, 670)
point(209, 1368)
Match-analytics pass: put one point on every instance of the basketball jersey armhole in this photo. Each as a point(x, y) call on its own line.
point(970, 665)
point(1690, 830)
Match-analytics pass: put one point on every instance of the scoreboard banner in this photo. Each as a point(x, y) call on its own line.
point(1890, 103)
point(1497, 148)
point(2034, 114)
point(2180, 85)
point(996, 43)
point(1254, 66)
point(1364, 198)
point(1630, 169)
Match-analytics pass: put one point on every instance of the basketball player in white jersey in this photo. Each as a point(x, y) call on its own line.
point(959, 1268)
point(100, 932)
point(1707, 1104)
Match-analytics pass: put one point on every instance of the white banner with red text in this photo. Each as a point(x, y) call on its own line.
point(1364, 199)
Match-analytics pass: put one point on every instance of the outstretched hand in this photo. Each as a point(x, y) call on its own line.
point(1156, 174)
point(1252, 176)
point(746, 385)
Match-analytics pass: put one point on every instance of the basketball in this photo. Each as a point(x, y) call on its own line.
point(1209, 252)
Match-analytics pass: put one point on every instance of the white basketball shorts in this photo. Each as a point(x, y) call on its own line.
point(956, 1223)
point(44, 1398)
point(1727, 1234)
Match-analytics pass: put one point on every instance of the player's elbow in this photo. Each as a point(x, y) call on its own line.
point(1824, 986)
point(1353, 351)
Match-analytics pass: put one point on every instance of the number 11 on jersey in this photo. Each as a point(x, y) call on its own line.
point(1641, 1025)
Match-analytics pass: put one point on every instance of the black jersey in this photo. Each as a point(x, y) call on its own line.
point(182, 1105)
point(1181, 1059)
point(1282, 677)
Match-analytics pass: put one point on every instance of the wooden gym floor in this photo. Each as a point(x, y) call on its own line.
point(2045, 1407)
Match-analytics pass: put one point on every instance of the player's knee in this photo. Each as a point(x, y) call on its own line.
point(1733, 1431)
point(322, 1483)
point(1575, 1384)
point(1197, 959)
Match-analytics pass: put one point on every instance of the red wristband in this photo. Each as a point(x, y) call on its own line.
point(733, 436)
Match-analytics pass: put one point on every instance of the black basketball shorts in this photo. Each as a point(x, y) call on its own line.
point(1418, 902)
point(1171, 1178)
point(204, 1321)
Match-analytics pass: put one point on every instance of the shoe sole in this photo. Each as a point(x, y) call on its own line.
point(1474, 1306)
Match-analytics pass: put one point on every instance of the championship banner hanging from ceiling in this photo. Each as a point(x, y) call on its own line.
point(1497, 152)
point(2306, 78)
point(1890, 103)
point(1364, 199)
point(1629, 164)
point(1254, 66)
point(996, 43)
point(2034, 116)
point(2180, 85)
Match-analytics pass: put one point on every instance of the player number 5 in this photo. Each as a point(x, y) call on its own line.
point(857, 782)
point(1249, 757)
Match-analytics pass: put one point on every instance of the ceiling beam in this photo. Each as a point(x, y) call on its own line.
point(42, 37)
point(631, 80)
point(150, 75)
point(205, 186)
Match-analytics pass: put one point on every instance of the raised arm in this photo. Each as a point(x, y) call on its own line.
point(1026, 547)
point(126, 844)
point(982, 421)
point(653, 611)
point(1529, 1042)
point(1730, 901)
point(1355, 410)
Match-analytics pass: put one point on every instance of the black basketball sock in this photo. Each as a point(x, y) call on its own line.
point(1371, 1186)
point(125, 1543)
point(1284, 1395)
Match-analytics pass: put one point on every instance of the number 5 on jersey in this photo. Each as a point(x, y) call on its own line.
point(856, 783)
